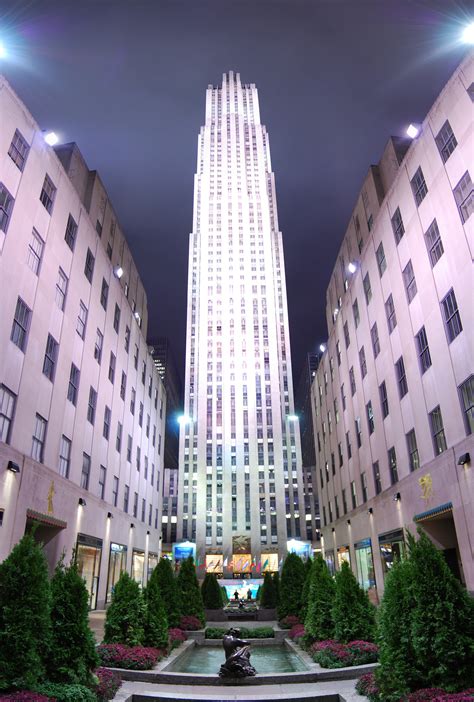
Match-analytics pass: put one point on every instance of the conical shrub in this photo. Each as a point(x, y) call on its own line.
point(190, 593)
point(352, 613)
point(156, 621)
point(291, 586)
point(319, 623)
point(268, 595)
point(125, 618)
point(169, 590)
point(211, 592)
point(305, 592)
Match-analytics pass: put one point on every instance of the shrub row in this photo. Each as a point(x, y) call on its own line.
point(261, 632)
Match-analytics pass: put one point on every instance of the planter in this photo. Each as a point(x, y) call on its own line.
point(266, 615)
point(215, 615)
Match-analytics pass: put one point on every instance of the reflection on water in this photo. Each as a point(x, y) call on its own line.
point(266, 659)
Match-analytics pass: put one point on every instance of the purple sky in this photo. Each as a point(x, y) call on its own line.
point(126, 80)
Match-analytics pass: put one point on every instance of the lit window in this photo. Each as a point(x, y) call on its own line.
point(377, 479)
point(392, 464)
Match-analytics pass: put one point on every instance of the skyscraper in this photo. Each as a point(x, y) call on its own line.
point(240, 459)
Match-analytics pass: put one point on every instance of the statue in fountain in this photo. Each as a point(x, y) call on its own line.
point(237, 656)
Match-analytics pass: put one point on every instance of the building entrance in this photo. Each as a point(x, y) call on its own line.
point(88, 556)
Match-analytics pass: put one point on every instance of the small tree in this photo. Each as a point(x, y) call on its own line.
point(190, 592)
point(72, 657)
point(211, 592)
point(125, 617)
point(318, 623)
point(156, 621)
point(353, 615)
point(442, 620)
point(25, 625)
point(276, 580)
point(169, 590)
point(259, 594)
point(291, 586)
point(268, 595)
point(305, 592)
point(396, 675)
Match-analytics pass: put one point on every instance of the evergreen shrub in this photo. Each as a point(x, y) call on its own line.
point(268, 593)
point(211, 592)
point(190, 593)
point(62, 692)
point(291, 586)
point(276, 580)
point(156, 621)
point(72, 656)
point(352, 612)
point(319, 624)
point(305, 591)
point(124, 620)
point(169, 590)
point(25, 621)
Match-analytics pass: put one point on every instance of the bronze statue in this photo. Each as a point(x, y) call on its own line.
point(237, 656)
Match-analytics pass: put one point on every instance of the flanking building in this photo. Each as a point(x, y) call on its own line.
point(393, 394)
point(82, 407)
point(240, 496)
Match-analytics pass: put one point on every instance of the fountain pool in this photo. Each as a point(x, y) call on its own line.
point(275, 658)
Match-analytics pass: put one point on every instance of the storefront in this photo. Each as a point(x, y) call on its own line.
point(152, 563)
point(329, 558)
point(392, 547)
point(138, 566)
point(215, 564)
point(269, 562)
point(365, 564)
point(88, 556)
point(117, 564)
point(343, 555)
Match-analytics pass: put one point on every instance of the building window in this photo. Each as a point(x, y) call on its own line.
point(401, 377)
point(397, 225)
point(464, 196)
point(423, 350)
point(61, 289)
point(392, 464)
point(7, 409)
point(384, 399)
point(104, 294)
point(106, 428)
point(363, 485)
point(102, 475)
point(367, 288)
point(135, 504)
point(347, 338)
point(81, 320)
point(437, 431)
point(115, 491)
point(452, 318)
point(91, 405)
point(47, 195)
point(352, 380)
point(86, 471)
point(118, 440)
point(73, 385)
point(418, 186)
point(434, 243)
point(89, 266)
point(140, 415)
point(377, 480)
point(374, 335)
point(117, 318)
point(129, 449)
point(127, 338)
point(6, 206)
point(381, 261)
point(466, 392)
point(409, 281)
point(353, 494)
point(50, 357)
point(64, 456)
point(18, 150)
point(355, 310)
point(126, 494)
point(99, 342)
point(123, 385)
point(413, 457)
point(39, 435)
point(446, 141)
point(390, 312)
point(358, 431)
point(132, 401)
point(35, 251)
point(370, 417)
point(348, 445)
point(112, 368)
point(363, 362)
point(21, 323)
point(71, 232)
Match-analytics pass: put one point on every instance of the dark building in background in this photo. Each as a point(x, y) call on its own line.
point(303, 409)
point(165, 364)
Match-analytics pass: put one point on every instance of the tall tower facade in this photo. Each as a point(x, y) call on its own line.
point(240, 491)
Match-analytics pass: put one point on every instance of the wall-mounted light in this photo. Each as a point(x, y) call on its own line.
point(412, 131)
point(397, 497)
point(118, 271)
point(463, 459)
point(333, 530)
point(370, 510)
point(348, 522)
point(82, 502)
point(51, 138)
point(110, 515)
point(352, 267)
point(322, 348)
point(132, 526)
point(15, 468)
point(292, 417)
point(148, 533)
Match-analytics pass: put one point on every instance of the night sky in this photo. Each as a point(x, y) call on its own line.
point(126, 80)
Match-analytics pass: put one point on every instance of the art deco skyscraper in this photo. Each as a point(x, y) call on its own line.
point(240, 490)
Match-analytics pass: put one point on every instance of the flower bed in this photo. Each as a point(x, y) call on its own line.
point(289, 622)
point(367, 685)
point(109, 683)
point(190, 623)
point(129, 657)
point(333, 654)
point(297, 633)
point(176, 637)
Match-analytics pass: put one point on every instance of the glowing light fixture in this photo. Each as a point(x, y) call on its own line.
point(118, 271)
point(336, 311)
point(292, 417)
point(397, 497)
point(322, 348)
point(412, 131)
point(51, 138)
point(15, 468)
point(3, 51)
point(110, 515)
point(183, 419)
point(82, 502)
point(370, 510)
point(352, 267)
point(468, 34)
